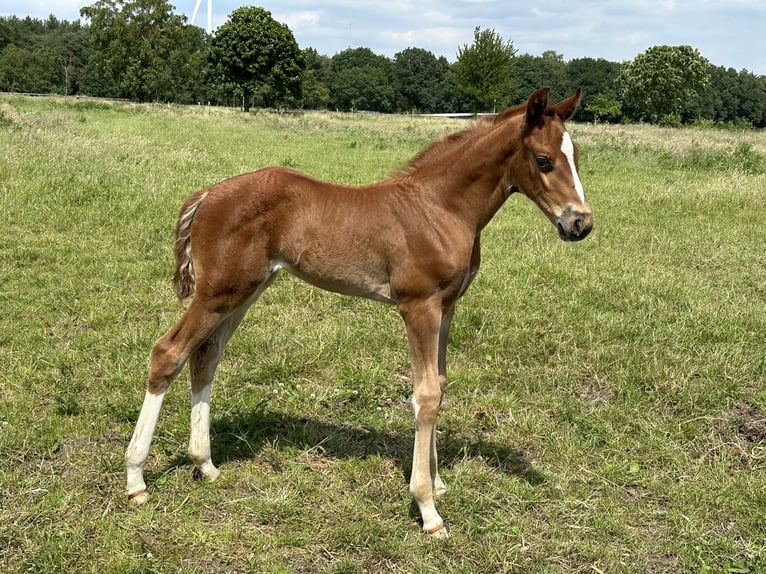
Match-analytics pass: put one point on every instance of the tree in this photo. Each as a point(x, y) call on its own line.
point(315, 93)
point(733, 97)
point(555, 74)
point(41, 56)
point(188, 60)
point(140, 50)
point(69, 44)
point(260, 56)
point(656, 84)
point(483, 72)
point(751, 98)
point(533, 72)
point(605, 106)
point(597, 78)
point(362, 80)
point(16, 66)
point(423, 81)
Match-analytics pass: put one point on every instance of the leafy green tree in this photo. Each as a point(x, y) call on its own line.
point(483, 72)
point(16, 70)
point(657, 82)
point(555, 74)
point(22, 33)
point(605, 106)
point(362, 80)
point(424, 82)
point(69, 43)
point(709, 103)
point(188, 59)
point(260, 56)
point(140, 50)
point(533, 72)
point(598, 80)
point(41, 56)
point(23, 70)
point(316, 94)
point(737, 98)
point(528, 75)
point(751, 98)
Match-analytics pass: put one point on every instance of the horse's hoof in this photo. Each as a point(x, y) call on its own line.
point(138, 498)
point(209, 473)
point(438, 532)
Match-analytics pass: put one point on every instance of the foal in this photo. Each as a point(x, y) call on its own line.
point(412, 241)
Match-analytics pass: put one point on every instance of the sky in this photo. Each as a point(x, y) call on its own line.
point(728, 33)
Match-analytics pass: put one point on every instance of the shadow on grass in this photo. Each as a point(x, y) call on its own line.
point(243, 436)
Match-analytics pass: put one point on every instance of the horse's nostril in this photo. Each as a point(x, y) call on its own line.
point(574, 225)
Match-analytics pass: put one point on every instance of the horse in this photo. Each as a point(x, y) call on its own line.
point(412, 240)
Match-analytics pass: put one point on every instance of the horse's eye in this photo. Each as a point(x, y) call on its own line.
point(544, 163)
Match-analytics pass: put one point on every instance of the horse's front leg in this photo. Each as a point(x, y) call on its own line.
point(444, 329)
point(446, 322)
point(423, 320)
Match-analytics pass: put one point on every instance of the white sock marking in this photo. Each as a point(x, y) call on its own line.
point(199, 442)
point(138, 449)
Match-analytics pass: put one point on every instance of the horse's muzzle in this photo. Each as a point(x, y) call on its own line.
point(574, 225)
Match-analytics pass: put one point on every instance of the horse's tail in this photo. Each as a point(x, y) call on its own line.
point(185, 279)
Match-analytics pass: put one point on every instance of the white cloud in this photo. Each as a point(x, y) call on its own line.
point(305, 20)
point(421, 37)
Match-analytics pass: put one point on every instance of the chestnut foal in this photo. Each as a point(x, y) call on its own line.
point(411, 240)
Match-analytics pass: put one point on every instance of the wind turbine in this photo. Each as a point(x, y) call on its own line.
point(209, 14)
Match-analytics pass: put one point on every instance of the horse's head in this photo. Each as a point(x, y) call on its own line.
point(546, 169)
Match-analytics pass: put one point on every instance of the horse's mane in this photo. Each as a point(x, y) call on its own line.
point(440, 148)
point(434, 149)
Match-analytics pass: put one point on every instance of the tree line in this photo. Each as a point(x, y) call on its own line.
point(141, 50)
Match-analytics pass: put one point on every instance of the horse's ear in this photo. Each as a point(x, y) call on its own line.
point(536, 105)
point(565, 109)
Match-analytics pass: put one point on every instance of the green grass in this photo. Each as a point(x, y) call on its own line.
point(606, 407)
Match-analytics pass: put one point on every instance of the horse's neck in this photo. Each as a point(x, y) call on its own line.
point(478, 184)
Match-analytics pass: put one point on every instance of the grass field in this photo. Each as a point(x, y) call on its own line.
point(606, 411)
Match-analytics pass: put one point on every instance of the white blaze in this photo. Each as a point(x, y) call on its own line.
point(567, 148)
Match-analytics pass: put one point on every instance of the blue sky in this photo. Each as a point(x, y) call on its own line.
point(727, 32)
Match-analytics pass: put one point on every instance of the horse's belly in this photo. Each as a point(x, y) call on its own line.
point(357, 283)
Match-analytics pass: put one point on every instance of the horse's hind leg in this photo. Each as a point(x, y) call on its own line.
point(202, 365)
point(169, 354)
